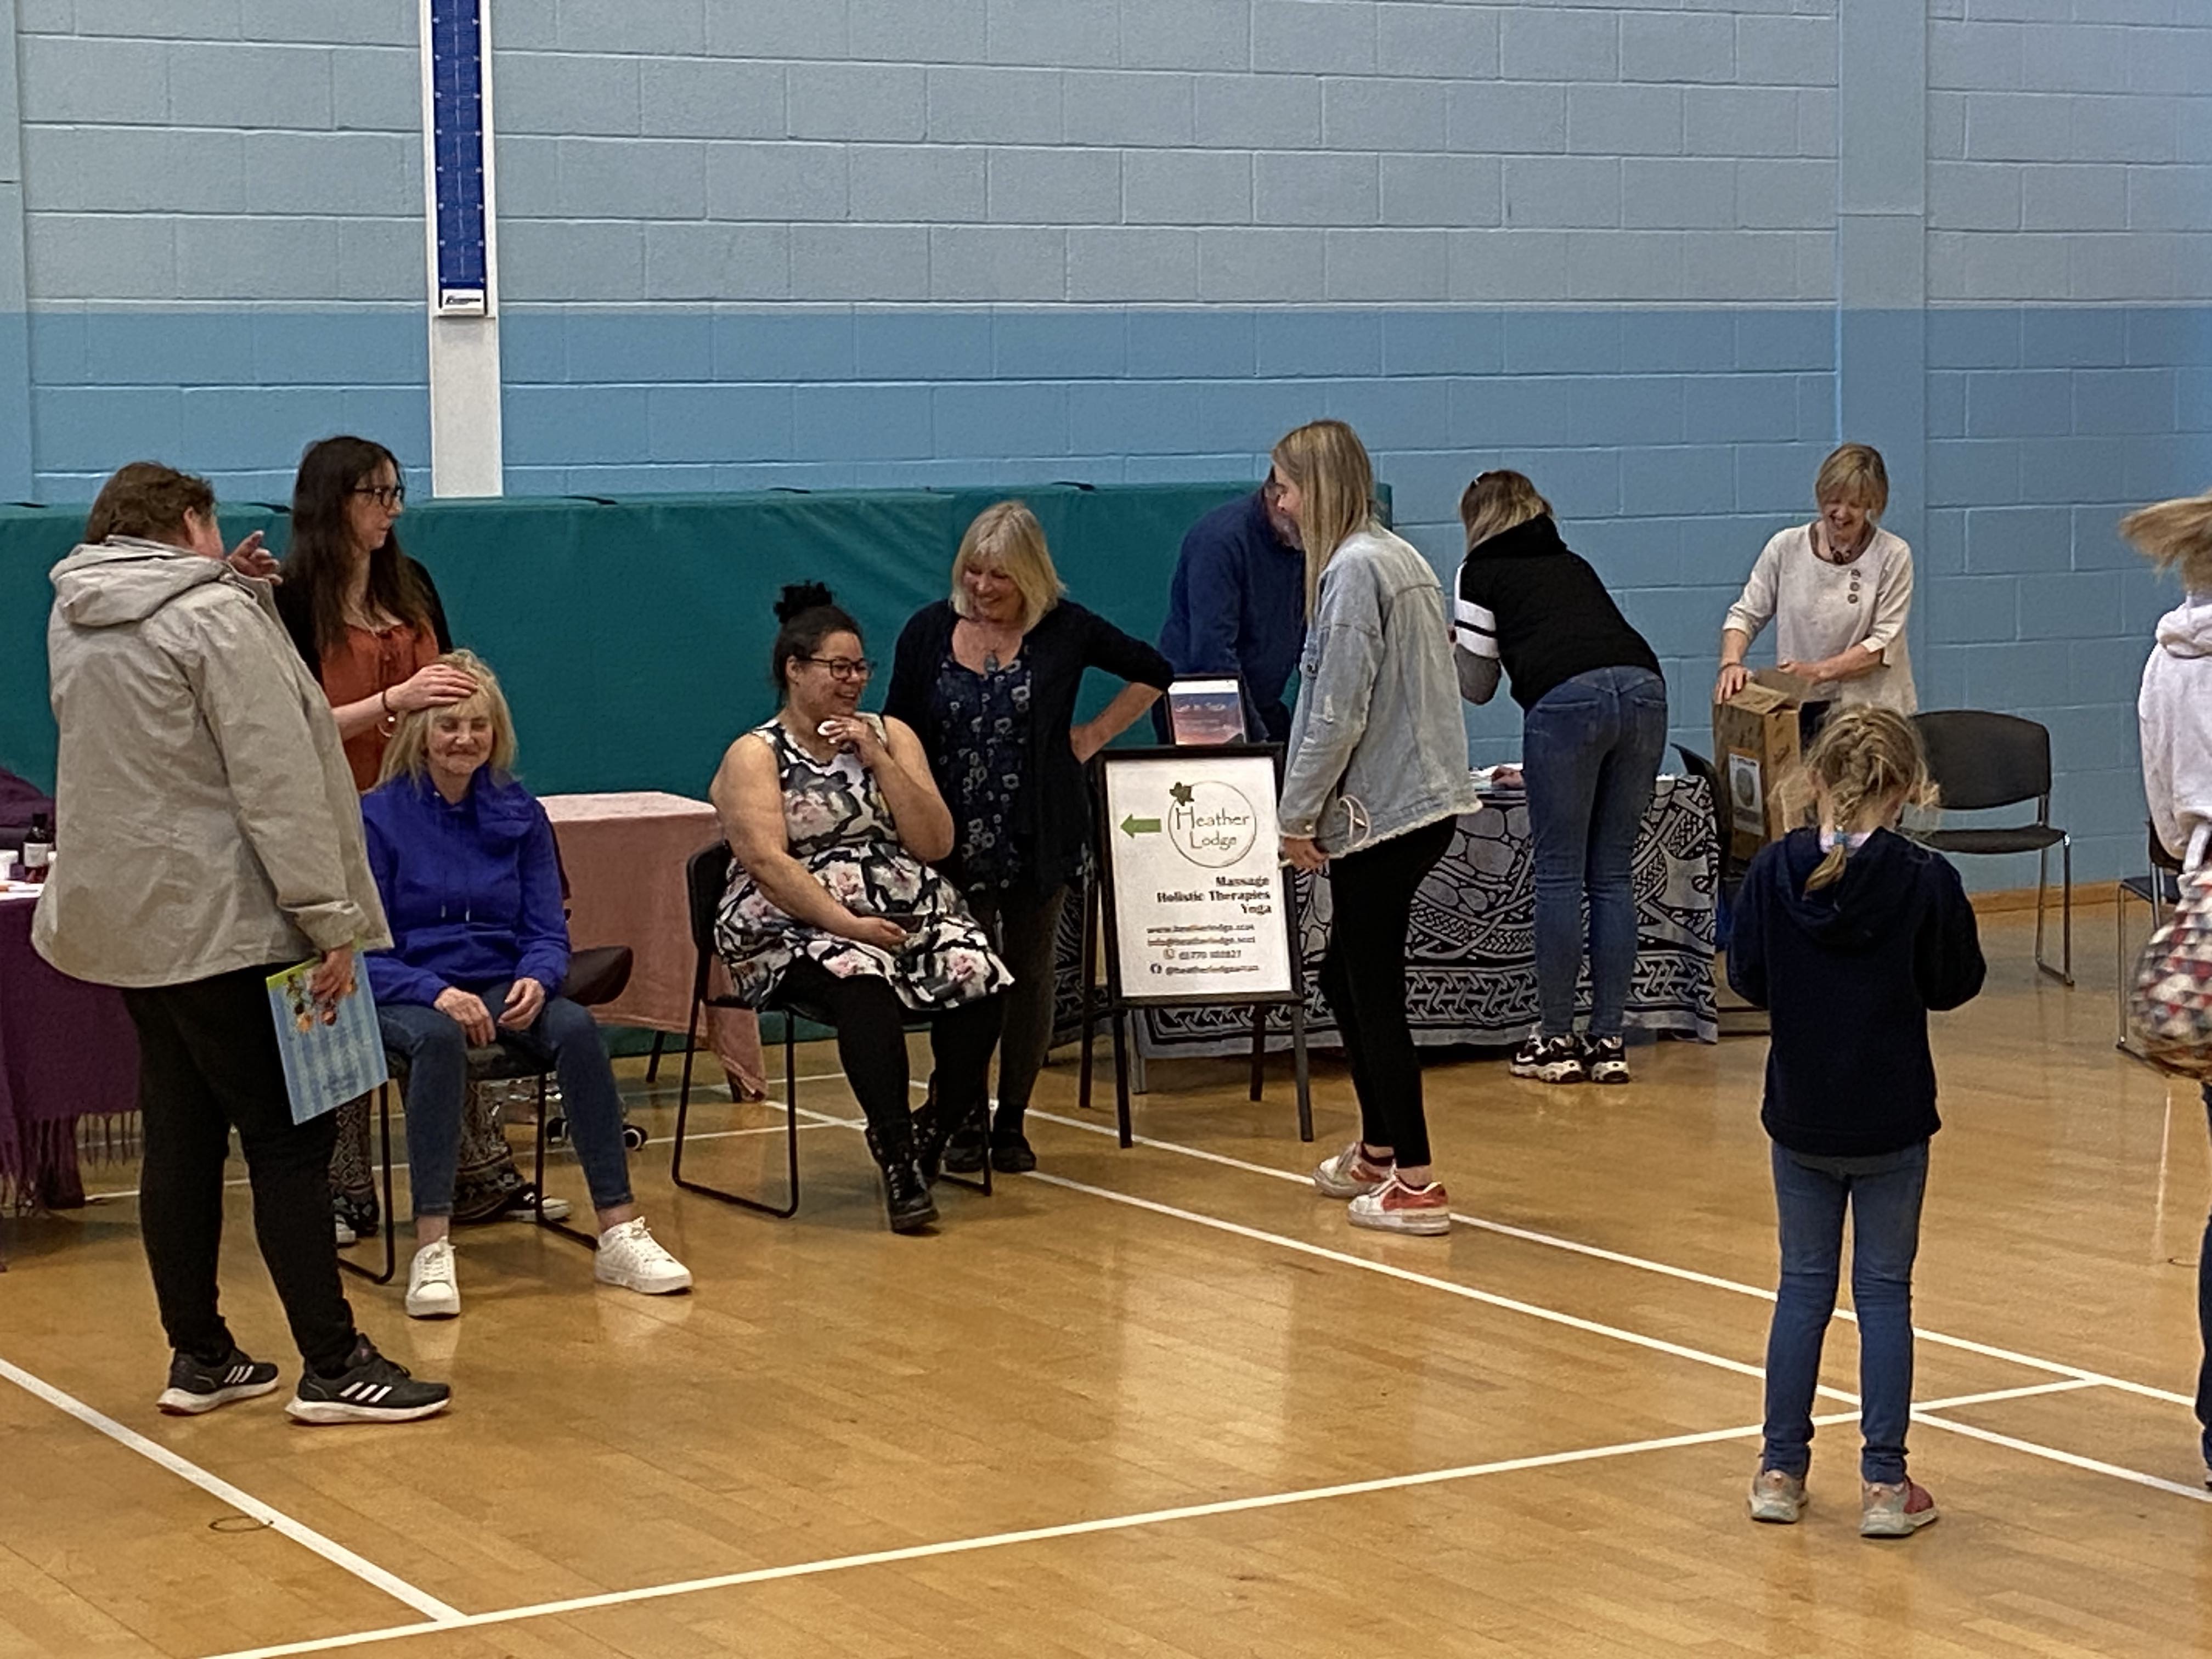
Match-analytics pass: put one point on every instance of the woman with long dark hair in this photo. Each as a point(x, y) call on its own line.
point(364, 615)
point(367, 620)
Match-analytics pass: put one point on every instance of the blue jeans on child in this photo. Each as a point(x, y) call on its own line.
point(436, 1054)
point(1589, 751)
point(1810, 1195)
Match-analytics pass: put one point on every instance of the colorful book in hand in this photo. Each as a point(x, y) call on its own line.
point(1205, 712)
point(332, 1046)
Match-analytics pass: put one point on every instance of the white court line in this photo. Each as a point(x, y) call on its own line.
point(338, 1555)
point(1719, 1361)
point(1081, 1528)
point(2056, 1368)
point(1920, 1414)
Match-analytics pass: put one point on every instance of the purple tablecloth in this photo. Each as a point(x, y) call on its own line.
point(66, 1051)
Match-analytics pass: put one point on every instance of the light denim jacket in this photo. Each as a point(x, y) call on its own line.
point(1377, 745)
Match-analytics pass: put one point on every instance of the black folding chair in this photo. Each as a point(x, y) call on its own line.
point(1981, 760)
point(595, 976)
point(706, 878)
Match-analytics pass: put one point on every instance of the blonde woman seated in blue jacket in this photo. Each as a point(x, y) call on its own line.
point(464, 861)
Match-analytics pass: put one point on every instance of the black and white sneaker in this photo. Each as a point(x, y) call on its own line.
point(1550, 1060)
point(1606, 1059)
point(201, 1385)
point(371, 1390)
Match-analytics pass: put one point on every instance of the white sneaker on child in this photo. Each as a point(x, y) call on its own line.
point(631, 1257)
point(431, 1293)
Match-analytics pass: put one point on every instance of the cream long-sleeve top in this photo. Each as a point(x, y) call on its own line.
point(1820, 610)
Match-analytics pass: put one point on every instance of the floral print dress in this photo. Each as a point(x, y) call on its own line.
point(837, 825)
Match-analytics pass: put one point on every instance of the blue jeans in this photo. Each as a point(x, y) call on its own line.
point(1810, 1195)
point(435, 1053)
point(1590, 748)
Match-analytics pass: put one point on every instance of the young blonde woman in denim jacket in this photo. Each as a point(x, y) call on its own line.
point(1374, 774)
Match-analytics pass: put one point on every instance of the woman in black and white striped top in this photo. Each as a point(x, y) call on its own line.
point(1595, 728)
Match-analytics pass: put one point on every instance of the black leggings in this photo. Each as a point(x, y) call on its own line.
point(1027, 928)
point(208, 1063)
point(1363, 977)
point(871, 1023)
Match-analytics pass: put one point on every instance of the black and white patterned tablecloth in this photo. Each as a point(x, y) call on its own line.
point(1471, 976)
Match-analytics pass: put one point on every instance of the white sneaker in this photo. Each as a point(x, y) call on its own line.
point(345, 1233)
point(631, 1257)
point(431, 1291)
point(1349, 1173)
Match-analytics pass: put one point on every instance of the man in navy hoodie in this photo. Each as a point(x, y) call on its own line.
point(1237, 609)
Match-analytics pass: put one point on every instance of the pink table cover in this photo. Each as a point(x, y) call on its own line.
point(624, 855)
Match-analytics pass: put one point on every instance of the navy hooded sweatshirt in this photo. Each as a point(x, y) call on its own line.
point(471, 889)
point(1849, 973)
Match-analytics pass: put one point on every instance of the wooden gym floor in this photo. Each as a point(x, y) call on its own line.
point(1166, 1402)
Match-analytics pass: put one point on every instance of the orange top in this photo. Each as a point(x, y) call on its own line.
point(373, 661)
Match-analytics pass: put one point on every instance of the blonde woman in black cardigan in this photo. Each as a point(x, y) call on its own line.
point(989, 679)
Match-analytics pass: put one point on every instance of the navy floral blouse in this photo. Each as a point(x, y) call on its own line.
point(986, 719)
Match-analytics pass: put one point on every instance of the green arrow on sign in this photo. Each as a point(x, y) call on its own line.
point(1133, 826)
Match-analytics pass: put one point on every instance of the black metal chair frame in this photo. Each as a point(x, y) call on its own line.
point(706, 876)
point(1730, 1018)
point(595, 976)
point(2159, 887)
point(2038, 837)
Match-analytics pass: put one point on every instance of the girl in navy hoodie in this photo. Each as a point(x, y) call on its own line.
point(464, 861)
point(1850, 917)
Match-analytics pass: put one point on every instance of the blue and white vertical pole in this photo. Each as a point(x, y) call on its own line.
point(461, 220)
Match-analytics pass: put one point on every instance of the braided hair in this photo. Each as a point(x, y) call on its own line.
point(1864, 757)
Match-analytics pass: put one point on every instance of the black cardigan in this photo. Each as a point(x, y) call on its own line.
point(299, 618)
point(1052, 811)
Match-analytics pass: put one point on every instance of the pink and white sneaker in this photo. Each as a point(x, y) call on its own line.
point(1350, 1174)
point(1394, 1207)
point(1894, 1510)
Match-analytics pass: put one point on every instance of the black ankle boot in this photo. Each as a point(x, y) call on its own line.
point(1010, 1153)
point(966, 1147)
point(906, 1196)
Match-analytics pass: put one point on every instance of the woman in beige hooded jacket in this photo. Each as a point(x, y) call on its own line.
point(209, 837)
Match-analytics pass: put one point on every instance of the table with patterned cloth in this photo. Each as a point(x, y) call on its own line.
point(624, 856)
point(67, 1052)
point(1471, 975)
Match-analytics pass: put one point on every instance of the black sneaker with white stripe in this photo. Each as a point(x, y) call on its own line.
point(371, 1390)
point(201, 1385)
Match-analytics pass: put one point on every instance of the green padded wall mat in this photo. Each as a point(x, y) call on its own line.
point(632, 634)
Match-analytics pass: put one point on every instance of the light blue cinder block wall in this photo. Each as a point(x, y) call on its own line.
point(1660, 256)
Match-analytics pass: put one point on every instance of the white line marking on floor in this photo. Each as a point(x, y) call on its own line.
point(2056, 1368)
point(1081, 1529)
point(1920, 1414)
point(338, 1555)
point(1719, 1361)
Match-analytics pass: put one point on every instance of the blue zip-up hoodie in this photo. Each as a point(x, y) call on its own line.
point(472, 890)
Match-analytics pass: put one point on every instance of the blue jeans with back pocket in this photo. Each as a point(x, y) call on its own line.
point(1590, 750)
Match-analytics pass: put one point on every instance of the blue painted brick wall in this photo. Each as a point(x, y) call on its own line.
point(750, 243)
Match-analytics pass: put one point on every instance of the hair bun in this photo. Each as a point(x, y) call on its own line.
point(800, 598)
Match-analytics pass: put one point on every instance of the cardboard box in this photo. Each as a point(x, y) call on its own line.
point(1754, 747)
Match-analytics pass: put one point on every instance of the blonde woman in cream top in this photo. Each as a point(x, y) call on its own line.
point(1838, 590)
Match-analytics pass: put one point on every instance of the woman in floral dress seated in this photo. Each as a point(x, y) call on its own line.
point(832, 816)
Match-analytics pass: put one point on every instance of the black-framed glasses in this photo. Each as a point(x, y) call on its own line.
point(845, 668)
point(385, 495)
